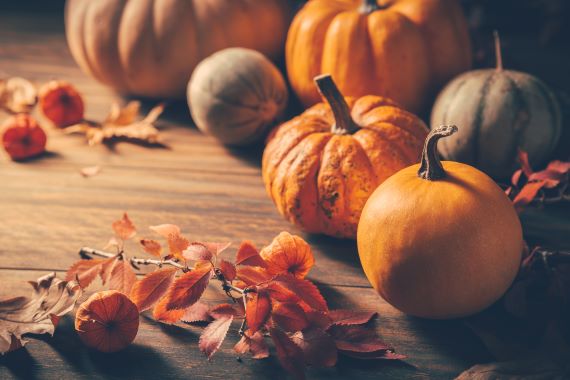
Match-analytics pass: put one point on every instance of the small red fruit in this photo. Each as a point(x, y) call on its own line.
point(61, 103)
point(22, 137)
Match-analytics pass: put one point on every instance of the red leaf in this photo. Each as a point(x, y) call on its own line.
point(525, 165)
point(289, 316)
point(161, 314)
point(305, 289)
point(527, 193)
point(188, 288)
point(85, 271)
point(247, 254)
point(122, 276)
point(278, 292)
point(252, 275)
point(559, 167)
point(177, 244)
point(151, 247)
point(214, 334)
point(107, 267)
point(254, 344)
point(124, 228)
point(223, 310)
point(197, 251)
point(257, 310)
point(350, 317)
point(228, 270)
point(146, 292)
point(165, 230)
point(516, 177)
point(318, 319)
point(318, 347)
point(289, 354)
point(199, 312)
point(217, 248)
point(375, 355)
point(356, 338)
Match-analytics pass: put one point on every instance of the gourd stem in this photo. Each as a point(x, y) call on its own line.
point(430, 167)
point(498, 53)
point(369, 6)
point(344, 124)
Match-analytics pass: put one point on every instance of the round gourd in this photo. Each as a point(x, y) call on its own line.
point(401, 49)
point(236, 95)
point(439, 239)
point(499, 111)
point(150, 47)
point(320, 167)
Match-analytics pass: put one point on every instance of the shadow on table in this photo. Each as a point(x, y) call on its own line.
point(20, 364)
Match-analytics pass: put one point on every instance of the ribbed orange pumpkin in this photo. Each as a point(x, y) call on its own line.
point(401, 49)
point(320, 167)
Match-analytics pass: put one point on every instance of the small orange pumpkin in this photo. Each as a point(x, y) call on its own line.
point(402, 49)
point(320, 167)
point(108, 321)
point(440, 241)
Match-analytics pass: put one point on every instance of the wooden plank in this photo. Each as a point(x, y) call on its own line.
point(436, 349)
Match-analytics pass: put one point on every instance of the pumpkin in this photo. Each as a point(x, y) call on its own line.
point(150, 47)
point(401, 49)
point(320, 167)
point(108, 321)
point(500, 112)
point(236, 95)
point(440, 239)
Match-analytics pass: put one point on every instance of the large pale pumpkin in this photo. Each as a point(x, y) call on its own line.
point(320, 167)
point(401, 49)
point(500, 111)
point(440, 239)
point(150, 47)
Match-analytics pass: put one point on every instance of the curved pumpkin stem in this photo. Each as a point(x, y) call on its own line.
point(369, 6)
point(344, 125)
point(430, 167)
point(498, 52)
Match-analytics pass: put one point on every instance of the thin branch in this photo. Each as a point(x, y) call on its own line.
point(87, 253)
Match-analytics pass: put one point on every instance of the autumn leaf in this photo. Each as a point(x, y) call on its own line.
point(288, 254)
point(51, 297)
point(214, 335)
point(252, 275)
point(223, 310)
point(165, 230)
point(124, 228)
point(289, 354)
point(17, 95)
point(122, 277)
point(528, 193)
point(198, 312)
point(84, 271)
point(107, 267)
point(146, 292)
point(278, 292)
point(197, 251)
point(177, 244)
point(188, 288)
point(228, 270)
point(318, 347)
point(356, 339)
point(517, 369)
point(318, 319)
point(90, 171)
point(161, 314)
point(152, 247)
point(289, 316)
point(247, 254)
point(254, 344)
point(305, 289)
point(351, 317)
point(216, 248)
point(257, 311)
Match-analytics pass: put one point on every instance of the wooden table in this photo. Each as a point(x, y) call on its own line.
point(48, 211)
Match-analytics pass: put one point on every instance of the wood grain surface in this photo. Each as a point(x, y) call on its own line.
point(48, 211)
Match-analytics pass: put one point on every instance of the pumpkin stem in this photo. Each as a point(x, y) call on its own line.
point(369, 6)
point(498, 52)
point(344, 125)
point(430, 167)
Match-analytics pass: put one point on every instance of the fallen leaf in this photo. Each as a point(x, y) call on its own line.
point(257, 310)
point(198, 312)
point(214, 335)
point(188, 288)
point(152, 247)
point(17, 95)
point(165, 230)
point(305, 289)
point(124, 228)
point(289, 316)
point(122, 276)
point(318, 347)
point(288, 254)
point(22, 315)
point(351, 317)
point(252, 275)
point(247, 254)
point(228, 270)
point(289, 354)
point(254, 344)
point(197, 251)
point(107, 267)
point(223, 310)
point(90, 171)
point(161, 314)
point(524, 368)
point(356, 339)
point(149, 290)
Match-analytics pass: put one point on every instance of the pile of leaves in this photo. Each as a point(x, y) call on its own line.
point(267, 291)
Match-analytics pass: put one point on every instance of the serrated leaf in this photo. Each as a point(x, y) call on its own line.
point(161, 314)
point(278, 292)
point(254, 344)
point(247, 254)
point(152, 247)
point(149, 290)
point(356, 339)
point(351, 317)
point(228, 270)
point(305, 289)
point(289, 354)
point(122, 277)
point(318, 319)
point(289, 317)
point(318, 347)
point(166, 230)
point(177, 244)
point(214, 335)
point(217, 248)
point(197, 251)
point(257, 310)
point(223, 310)
point(124, 228)
point(198, 312)
point(84, 271)
point(189, 287)
point(252, 275)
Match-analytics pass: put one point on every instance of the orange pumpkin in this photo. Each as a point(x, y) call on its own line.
point(108, 321)
point(440, 241)
point(401, 49)
point(320, 167)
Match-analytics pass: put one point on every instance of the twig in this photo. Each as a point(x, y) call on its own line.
point(87, 253)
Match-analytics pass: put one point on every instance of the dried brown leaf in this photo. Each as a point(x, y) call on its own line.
point(17, 95)
point(122, 277)
point(223, 310)
point(152, 247)
point(90, 171)
point(146, 292)
point(351, 317)
point(318, 347)
point(289, 316)
point(289, 354)
point(305, 289)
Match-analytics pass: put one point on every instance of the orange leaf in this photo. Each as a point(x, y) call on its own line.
point(189, 287)
point(146, 292)
point(247, 254)
point(223, 310)
point(85, 271)
point(254, 344)
point(122, 277)
point(124, 228)
point(288, 254)
point(289, 316)
point(228, 270)
point(289, 354)
point(280, 293)
point(214, 335)
point(252, 275)
point(197, 251)
point(257, 310)
point(318, 347)
point(199, 312)
point(351, 317)
point(527, 193)
point(305, 289)
point(166, 230)
point(107, 268)
point(151, 247)
point(216, 248)
point(177, 244)
point(161, 314)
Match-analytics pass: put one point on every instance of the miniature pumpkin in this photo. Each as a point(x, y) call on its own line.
point(440, 240)
point(150, 48)
point(320, 167)
point(236, 95)
point(401, 49)
point(500, 111)
point(108, 321)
